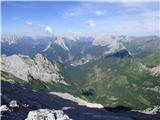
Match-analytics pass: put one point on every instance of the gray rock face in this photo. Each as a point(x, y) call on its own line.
point(155, 71)
point(46, 114)
point(105, 40)
point(13, 104)
point(152, 110)
point(38, 68)
point(3, 108)
point(16, 65)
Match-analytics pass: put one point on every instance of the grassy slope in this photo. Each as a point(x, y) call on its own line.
point(113, 81)
point(116, 81)
point(35, 84)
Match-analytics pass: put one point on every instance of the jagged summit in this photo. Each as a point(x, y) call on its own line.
point(38, 68)
point(61, 42)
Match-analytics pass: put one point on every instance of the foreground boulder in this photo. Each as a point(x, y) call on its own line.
point(3, 108)
point(46, 114)
point(13, 104)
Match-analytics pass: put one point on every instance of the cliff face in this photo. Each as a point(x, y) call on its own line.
point(26, 68)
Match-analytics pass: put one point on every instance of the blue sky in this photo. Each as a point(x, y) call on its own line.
point(114, 18)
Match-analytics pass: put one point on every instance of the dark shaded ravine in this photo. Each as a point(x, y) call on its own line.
point(41, 100)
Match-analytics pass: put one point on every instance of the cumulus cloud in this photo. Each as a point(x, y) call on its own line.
point(91, 23)
point(99, 13)
point(48, 29)
point(29, 23)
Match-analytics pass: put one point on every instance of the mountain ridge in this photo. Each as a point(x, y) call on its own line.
point(96, 74)
point(37, 68)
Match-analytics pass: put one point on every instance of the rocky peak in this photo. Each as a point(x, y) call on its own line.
point(61, 42)
point(14, 64)
point(103, 39)
point(39, 57)
point(10, 39)
point(38, 68)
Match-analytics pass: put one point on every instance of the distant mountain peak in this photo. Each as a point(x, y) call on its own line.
point(61, 42)
point(105, 40)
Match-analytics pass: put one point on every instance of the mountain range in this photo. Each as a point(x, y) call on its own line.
point(109, 70)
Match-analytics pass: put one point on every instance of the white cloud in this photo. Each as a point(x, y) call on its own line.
point(130, 2)
point(139, 24)
point(99, 13)
point(29, 23)
point(48, 29)
point(91, 23)
point(125, 1)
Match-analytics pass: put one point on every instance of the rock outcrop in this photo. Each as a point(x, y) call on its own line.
point(3, 108)
point(152, 110)
point(13, 104)
point(46, 114)
point(155, 71)
point(38, 68)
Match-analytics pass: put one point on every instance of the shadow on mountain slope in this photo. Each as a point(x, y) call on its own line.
point(118, 109)
point(39, 100)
